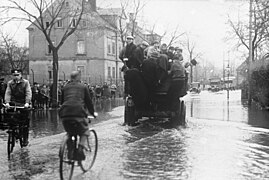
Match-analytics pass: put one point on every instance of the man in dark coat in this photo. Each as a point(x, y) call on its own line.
point(73, 112)
point(3, 87)
point(149, 72)
point(139, 54)
point(127, 54)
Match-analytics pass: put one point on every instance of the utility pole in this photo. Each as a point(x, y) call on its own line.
point(223, 69)
point(250, 53)
point(228, 77)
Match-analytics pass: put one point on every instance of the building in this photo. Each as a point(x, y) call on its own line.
point(92, 49)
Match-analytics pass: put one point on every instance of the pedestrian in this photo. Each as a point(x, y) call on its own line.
point(76, 103)
point(3, 87)
point(98, 93)
point(19, 93)
point(35, 98)
point(106, 91)
point(44, 91)
point(113, 89)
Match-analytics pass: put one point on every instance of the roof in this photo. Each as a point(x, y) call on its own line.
point(111, 12)
point(93, 17)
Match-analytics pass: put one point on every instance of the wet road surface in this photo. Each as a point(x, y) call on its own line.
point(222, 140)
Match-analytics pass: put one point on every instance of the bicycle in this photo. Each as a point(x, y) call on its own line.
point(67, 154)
point(15, 126)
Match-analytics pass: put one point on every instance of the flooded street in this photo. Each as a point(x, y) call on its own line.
point(223, 139)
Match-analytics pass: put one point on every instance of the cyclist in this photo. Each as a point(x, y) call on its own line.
point(19, 93)
point(76, 102)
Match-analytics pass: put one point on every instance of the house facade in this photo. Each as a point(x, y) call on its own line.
point(92, 49)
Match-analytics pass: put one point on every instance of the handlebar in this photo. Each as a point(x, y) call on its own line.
point(89, 117)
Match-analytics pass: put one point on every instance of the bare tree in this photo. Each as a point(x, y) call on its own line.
point(12, 55)
point(135, 7)
point(174, 36)
point(193, 54)
point(240, 29)
point(46, 16)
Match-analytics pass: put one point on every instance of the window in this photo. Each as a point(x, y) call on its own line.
point(109, 72)
point(120, 72)
point(59, 23)
point(108, 48)
point(73, 23)
point(120, 48)
point(83, 23)
point(81, 69)
point(81, 47)
point(113, 48)
point(47, 24)
point(49, 50)
point(113, 72)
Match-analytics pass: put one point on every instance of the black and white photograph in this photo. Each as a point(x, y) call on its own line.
point(134, 89)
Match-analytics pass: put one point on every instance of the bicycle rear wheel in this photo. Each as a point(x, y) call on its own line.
point(90, 151)
point(10, 142)
point(66, 164)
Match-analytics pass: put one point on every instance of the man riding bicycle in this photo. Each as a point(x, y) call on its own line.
point(76, 102)
point(18, 93)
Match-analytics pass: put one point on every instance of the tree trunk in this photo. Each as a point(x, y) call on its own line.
point(55, 68)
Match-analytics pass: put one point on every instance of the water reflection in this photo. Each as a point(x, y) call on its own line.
point(47, 122)
point(19, 165)
point(204, 150)
point(217, 143)
point(216, 106)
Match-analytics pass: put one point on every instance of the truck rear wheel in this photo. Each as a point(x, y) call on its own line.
point(130, 117)
point(178, 117)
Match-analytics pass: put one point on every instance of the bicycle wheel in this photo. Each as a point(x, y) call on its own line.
point(10, 142)
point(66, 164)
point(90, 151)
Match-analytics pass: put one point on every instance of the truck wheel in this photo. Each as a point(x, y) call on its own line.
point(179, 116)
point(129, 113)
point(182, 113)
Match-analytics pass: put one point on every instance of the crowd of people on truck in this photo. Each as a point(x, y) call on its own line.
point(161, 68)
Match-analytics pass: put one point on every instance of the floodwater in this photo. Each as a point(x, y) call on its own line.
point(223, 140)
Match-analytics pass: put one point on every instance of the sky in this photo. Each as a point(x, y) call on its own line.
point(205, 21)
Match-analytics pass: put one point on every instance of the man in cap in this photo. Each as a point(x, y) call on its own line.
point(149, 71)
point(127, 55)
point(76, 102)
point(3, 87)
point(19, 93)
point(140, 54)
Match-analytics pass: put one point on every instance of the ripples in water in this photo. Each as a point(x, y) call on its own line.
point(203, 150)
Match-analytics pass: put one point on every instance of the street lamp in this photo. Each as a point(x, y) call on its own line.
point(228, 80)
point(250, 52)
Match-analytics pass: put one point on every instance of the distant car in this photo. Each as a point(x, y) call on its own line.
point(215, 89)
point(195, 87)
point(195, 90)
